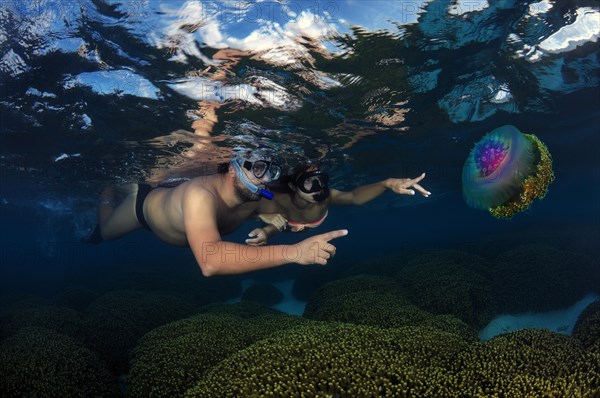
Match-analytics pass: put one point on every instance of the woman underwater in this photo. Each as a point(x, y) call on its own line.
point(303, 198)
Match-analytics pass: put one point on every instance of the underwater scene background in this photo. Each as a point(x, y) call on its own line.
point(426, 297)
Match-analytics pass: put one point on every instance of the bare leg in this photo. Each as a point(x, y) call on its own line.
point(107, 204)
point(118, 221)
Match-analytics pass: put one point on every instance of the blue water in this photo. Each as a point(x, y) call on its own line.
point(103, 92)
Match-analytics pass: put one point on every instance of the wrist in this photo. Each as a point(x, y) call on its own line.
point(270, 230)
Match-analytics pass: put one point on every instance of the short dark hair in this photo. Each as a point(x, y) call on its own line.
point(223, 168)
point(301, 169)
point(293, 175)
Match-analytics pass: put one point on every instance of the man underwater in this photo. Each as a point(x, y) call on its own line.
point(198, 212)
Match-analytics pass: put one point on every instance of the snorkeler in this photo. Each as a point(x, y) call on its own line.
point(304, 201)
point(199, 211)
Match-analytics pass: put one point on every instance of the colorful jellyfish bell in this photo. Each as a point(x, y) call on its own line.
point(506, 171)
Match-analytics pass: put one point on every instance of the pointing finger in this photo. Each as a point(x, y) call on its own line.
point(333, 234)
point(422, 190)
point(419, 178)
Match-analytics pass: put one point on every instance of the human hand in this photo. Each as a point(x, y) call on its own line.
point(317, 249)
point(402, 185)
point(259, 237)
point(275, 219)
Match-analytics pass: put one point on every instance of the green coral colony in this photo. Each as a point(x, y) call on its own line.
point(247, 350)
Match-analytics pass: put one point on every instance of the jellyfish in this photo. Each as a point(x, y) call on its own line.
point(506, 171)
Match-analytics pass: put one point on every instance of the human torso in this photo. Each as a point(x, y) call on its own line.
point(164, 210)
point(310, 216)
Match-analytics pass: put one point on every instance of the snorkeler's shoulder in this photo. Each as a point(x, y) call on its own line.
point(203, 183)
point(282, 198)
point(201, 186)
point(335, 193)
point(199, 200)
point(280, 203)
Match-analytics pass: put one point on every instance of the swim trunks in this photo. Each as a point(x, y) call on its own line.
point(143, 191)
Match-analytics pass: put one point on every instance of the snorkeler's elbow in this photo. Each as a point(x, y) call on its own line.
point(206, 258)
point(206, 269)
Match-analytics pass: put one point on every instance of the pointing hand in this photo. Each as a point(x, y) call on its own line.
point(317, 249)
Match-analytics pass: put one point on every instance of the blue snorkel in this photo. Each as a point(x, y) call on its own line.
point(263, 193)
point(266, 194)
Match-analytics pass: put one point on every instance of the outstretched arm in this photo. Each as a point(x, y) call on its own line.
point(366, 193)
point(216, 257)
point(227, 258)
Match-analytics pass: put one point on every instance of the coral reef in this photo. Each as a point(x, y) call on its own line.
point(340, 300)
point(342, 360)
point(115, 321)
point(446, 281)
point(266, 353)
point(337, 360)
point(541, 278)
point(171, 358)
point(373, 301)
point(12, 301)
point(60, 319)
point(37, 362)
point(360, 283)
point(444, 287)
point(242, 309)
point(528, 363)
point(461, 258)
point(587, 328)
point(263, 293)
